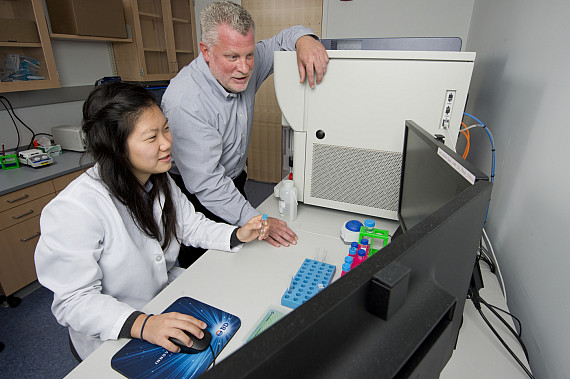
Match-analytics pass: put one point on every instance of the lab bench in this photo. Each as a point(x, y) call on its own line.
point(23, 194)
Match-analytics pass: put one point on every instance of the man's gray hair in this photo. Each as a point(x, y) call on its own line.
point(224, 12)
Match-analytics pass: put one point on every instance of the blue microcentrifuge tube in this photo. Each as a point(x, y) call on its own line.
point(369, 225)
point(345, 268)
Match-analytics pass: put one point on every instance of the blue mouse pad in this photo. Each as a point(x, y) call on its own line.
point(141, 359)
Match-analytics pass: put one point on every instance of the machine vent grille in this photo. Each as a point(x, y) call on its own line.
point(356, 176)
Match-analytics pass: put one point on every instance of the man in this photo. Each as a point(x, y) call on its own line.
point(209, 106)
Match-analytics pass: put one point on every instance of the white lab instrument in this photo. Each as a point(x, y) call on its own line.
point(348, 131)
point(34, 158)
point(350, 231)
point(70, 137)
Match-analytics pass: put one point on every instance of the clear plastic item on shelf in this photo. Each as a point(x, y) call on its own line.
point(19, 68)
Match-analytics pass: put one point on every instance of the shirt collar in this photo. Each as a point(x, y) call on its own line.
point(148, 186)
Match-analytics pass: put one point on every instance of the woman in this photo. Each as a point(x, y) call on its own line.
point(110, 240)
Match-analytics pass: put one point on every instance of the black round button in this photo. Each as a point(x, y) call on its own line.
point(320, 134)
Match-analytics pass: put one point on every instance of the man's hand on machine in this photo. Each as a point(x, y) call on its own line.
point(280, 234)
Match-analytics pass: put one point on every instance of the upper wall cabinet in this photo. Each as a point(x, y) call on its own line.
point(164, 39)
point(26, 55)
point(87, 20)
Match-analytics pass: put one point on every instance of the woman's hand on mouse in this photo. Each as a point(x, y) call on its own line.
point(250, 230)
point(159, 328)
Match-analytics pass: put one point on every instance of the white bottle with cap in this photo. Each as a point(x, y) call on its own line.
point(288, 200)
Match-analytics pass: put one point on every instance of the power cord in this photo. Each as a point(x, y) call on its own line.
point(491, 179)
point(12, 114)
point(493, 257)
point(483, 256)
point(518, 334)
point(481, 125)
point(477, 300)
point(13, 121)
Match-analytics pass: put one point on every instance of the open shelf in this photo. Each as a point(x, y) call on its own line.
point(74, 37)
point(150, 15)
point(164, 39)
point(181, 20)
point(20, 44)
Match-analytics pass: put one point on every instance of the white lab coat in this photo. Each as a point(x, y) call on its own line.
point(98, 263)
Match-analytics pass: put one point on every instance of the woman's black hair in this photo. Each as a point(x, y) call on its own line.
point(109, 116)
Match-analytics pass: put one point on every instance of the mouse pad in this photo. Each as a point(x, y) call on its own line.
point(141, 359)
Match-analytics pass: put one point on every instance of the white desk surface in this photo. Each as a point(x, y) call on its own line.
point(251, 280)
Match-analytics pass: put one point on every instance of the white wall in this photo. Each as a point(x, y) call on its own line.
point(396, 18)
point(40, 119)
point(81, 63)
point(520, 89)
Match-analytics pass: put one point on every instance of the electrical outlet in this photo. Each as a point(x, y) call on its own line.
point(447, 109)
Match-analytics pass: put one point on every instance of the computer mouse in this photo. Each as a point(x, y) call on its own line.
point(199, 344)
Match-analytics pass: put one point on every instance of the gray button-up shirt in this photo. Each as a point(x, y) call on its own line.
point(211, 127)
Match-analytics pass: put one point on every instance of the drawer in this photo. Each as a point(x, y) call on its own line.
point(13, 199)
point(17, 268)
point(61, 182)
point(23, 212)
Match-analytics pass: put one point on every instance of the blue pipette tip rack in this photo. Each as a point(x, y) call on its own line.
point(311, 278)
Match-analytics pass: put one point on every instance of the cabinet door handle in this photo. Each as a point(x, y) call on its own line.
point(23, 214)
point(18, 199)
point(31, 237)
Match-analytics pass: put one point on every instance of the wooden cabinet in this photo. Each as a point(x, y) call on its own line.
point(20, 230)
point(164, 39)
point(27, 15)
